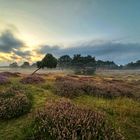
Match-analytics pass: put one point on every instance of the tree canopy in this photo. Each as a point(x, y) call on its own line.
point(49, 61)
point(25, 65)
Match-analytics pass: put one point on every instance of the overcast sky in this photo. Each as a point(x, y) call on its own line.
point(107, 29)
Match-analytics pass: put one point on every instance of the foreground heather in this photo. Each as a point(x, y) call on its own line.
point(62, 120)
point(13, 103)
point(32, 79)
point(4, 80)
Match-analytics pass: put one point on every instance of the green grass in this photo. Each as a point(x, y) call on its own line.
point(123, 112)
point(13, 129)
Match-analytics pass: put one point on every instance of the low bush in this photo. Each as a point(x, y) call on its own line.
point(10, 74)
point(106, 90)
point(63, 120)
point(68, 87)
point(32, 79)
point(13, 103)
point(4, 80)
point(72, 87)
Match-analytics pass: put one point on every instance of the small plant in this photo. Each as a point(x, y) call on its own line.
point(13, 103)
point(32, 79)
point(62, 120)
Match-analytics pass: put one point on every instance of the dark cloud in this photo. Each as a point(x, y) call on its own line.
point(121, 53)
point(8, 42)
point(48, 49)
point(22, 54)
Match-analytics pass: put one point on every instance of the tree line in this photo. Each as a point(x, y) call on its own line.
point(79, 63)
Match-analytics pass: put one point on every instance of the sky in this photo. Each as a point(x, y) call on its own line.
point(106, 29)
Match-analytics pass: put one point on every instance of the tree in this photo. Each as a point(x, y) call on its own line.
point(106, 65)
point(13, 65)
point(64, 61)
point(84, 64)
point(25, 65)
point(133, 65)
point(49, 61)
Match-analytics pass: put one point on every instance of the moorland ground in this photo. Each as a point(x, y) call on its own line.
point(123, 112)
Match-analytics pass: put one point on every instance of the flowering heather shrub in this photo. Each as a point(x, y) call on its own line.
point(106, 90)
point(32, 79)
point(13, 103)
point(68, 87)
point(4, 80)
point(72, 87)
point(63, 120)
point(10, 74)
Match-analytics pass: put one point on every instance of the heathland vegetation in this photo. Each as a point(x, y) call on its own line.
point(69, 106)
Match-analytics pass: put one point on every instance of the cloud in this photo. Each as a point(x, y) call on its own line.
point(23, 54)
point(12, 47)
point(8, 42)
point(48, 49)
point(120, 53)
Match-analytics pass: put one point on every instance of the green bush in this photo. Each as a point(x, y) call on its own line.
point(13, 103)
point(63, 120)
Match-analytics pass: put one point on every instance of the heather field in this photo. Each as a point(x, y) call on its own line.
point(69, 70)
point(62, 106)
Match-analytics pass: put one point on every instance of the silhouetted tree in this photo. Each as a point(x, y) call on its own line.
point(133, 65)
point(49, 61)
point(84, 64)
point(83, 61)
point(13, 65)
point(64, 61)
point(106, 65)
point(25, 65)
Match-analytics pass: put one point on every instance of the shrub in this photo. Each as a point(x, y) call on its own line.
point(32, 79)
point(63, 120)
point(72, 87)
point(68, 87)
point(4, 80)
point(10, 74)
point(106, 90)
point(13, 103)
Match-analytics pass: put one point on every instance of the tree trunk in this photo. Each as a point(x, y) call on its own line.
point(35, 71)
